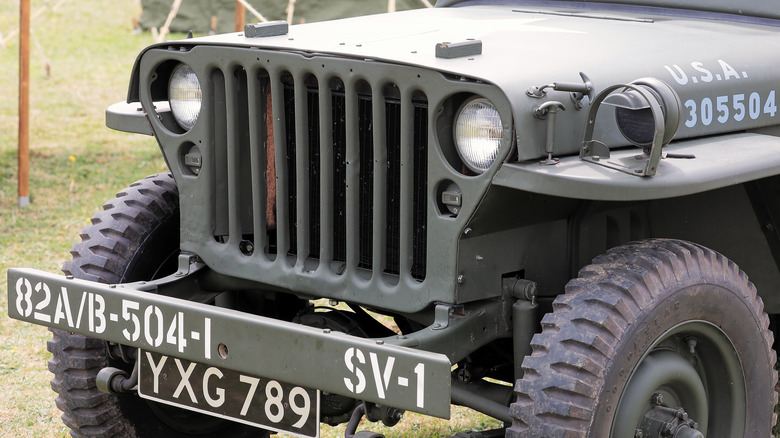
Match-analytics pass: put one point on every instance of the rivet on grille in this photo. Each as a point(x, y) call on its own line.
point(246, 247)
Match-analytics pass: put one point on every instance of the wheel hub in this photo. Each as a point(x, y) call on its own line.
point(664, 422)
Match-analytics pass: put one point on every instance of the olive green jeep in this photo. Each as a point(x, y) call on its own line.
point(562, 214)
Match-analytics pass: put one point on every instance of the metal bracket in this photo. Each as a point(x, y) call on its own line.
point(549, 110)
point(577, 92)
point(442, 314)
point(187, 264)
point(441, 317)
point(268, 29)
point(596, 152)
point(449, 50)
point(182, 284)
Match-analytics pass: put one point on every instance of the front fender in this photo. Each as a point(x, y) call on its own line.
point(710, 163)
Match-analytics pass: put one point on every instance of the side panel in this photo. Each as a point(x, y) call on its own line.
point(726, 220)
point(548, 239)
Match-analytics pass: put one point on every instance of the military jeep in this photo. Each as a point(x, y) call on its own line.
point(562, 214)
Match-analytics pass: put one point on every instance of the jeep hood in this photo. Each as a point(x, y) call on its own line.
point(533, 46)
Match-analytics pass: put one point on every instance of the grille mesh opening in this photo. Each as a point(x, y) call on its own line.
point(294, 192)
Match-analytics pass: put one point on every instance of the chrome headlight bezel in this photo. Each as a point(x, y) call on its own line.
point(477, 133)
point(185, 95)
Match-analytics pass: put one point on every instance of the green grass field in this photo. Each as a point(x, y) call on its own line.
point(76, 165)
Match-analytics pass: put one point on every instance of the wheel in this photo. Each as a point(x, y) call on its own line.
point(659, 338)
point(134, 238)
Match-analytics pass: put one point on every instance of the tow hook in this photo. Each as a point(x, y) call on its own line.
point(663, 422)
point(389, 416)
point(115, 381)
point(350, 431)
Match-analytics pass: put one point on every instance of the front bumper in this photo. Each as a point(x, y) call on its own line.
point(369, 370)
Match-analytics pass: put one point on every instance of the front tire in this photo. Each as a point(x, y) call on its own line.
point(134, 238)
point(647, 326)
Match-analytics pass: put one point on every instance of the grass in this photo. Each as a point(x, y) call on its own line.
point(76, 165)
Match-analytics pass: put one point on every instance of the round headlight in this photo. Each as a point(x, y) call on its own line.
point(634, 115)
point(478, 131)
point(185, 96)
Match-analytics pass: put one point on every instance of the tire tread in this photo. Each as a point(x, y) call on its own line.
point(557, 395)
point(106, 248)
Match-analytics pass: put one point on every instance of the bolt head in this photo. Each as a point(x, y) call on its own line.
point(464, 375)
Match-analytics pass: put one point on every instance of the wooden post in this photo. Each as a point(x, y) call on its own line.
point(240, 17)
point(290, 11)
point(252, 10)
point(171, 16)
point(24, 103)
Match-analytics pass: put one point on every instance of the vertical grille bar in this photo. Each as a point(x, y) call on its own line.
point(380, 181)
point(233, 158)
point(219, 126)
point(339, 174)
point(301, 169)
point(407, 177)
point(289, 153)
point(352, 212)
point(280, 146)
point(313, 113)
point(420, 185)
point(366, 181)
point(393, 189)
point(326, 172)
point(258, 133)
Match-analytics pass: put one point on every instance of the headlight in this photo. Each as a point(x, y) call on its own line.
point(634, 115)
point(478, 131)
point(185, 96)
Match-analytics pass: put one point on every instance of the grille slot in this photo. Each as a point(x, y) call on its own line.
point(322, 173)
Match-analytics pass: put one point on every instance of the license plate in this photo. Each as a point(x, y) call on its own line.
point(253, 400)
